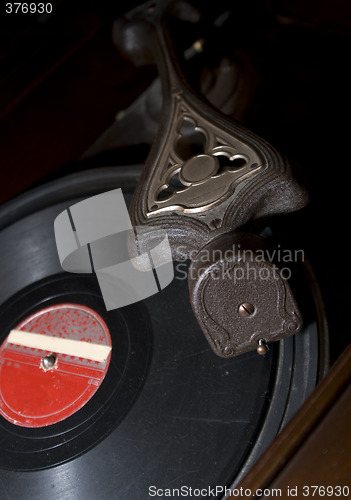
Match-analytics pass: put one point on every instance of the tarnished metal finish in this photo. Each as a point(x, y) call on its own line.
point(194, 183)
point(205, 178)
point(241, 299)
point(204, 167)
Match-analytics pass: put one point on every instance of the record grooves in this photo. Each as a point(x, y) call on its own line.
point(169, 411)
point(30, 449)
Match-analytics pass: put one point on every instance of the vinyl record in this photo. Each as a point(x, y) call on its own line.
point(165, 412)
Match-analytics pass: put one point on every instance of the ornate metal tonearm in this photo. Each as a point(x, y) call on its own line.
point(205, 178)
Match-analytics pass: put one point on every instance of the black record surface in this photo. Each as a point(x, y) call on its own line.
point(170, 413)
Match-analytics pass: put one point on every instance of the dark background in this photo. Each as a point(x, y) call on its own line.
point(62, 82)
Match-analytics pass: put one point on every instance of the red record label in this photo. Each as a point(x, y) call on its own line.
point(40, 387)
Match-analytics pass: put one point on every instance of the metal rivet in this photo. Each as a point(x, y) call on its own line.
point(198, 45)
point(228, 351)
point(292, 326)
point(246, 309)
point(49, 361)
point(262, 347)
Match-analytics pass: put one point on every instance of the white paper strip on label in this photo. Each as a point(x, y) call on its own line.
point(81, 349)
